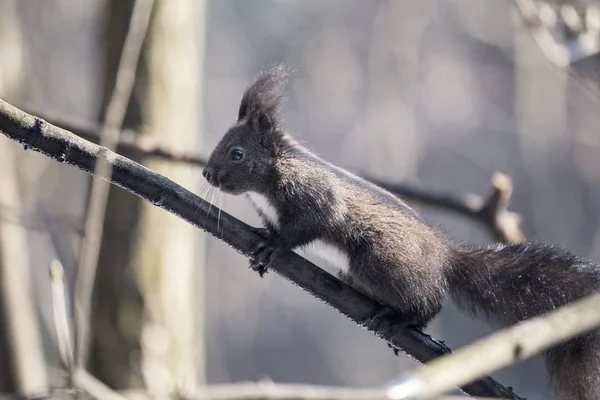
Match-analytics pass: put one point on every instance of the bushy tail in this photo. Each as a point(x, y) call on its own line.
point(509, 283)
point(575, 368)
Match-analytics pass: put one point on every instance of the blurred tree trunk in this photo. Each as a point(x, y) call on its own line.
point(148, 307)
point(10, 86)
point(169, 254)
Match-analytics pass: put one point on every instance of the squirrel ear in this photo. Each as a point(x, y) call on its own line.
point(263, 122)
point(264, 95)
point(243, 111)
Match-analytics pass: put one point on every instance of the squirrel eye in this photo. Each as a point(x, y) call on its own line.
point(236, 154)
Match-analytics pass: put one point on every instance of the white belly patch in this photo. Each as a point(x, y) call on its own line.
point(264, 205)
point(325, 256)
point(318, 252)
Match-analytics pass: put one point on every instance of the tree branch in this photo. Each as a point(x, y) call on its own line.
point(261, 390)
point(267, 390)
point(492, 212)
point(63, 146)
point(501, 349)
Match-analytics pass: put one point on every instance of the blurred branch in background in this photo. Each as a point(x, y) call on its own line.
point(109, 136)
point(65, 147)
point(261, 390)
point(117, 300)
point(501, 349)
point(568, 34)
point(492, 211)
point(20, 317)
point(43, 223)
point(267, 390)
point(565, 31)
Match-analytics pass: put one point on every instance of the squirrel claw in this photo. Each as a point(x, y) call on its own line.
point(261, 269)
point(394, 348)
point(262, 232)
point(263, 253)
point(384, 313)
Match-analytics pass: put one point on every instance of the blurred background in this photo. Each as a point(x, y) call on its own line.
point(438, 93)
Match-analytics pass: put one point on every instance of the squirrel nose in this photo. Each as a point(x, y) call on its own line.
point(209, 174)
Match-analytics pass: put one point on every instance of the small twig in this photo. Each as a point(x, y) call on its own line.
point(492, 212)
point(501, 349)
point(65, 147)
point(109, 138)
point(505, 224)
point(61, 319)
point(83, 380)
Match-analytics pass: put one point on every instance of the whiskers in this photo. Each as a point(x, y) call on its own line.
point(211, 193)
point(220, 199)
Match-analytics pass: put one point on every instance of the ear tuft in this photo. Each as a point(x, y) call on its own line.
point(264, 96)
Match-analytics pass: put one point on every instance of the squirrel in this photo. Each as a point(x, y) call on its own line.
point(384, 249)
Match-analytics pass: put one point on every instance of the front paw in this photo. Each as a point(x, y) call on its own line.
point(264, 233)
point(263, 252)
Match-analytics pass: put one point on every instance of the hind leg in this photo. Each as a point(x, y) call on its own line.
point(392, 320)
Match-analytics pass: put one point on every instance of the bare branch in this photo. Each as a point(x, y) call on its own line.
point(492, 212)
point(109, 138)
point(501, 349)
point(65, 147)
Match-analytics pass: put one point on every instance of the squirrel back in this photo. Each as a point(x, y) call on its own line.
point(385, 249)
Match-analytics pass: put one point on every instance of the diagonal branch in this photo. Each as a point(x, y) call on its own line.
point(492, 212)
point(268, 390)
point(502, 349)
point(63, 146)
point(260, 390)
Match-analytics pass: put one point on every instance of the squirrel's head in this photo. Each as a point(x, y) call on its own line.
point(244, 158)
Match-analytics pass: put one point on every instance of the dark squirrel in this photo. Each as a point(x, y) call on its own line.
point(385, 250)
